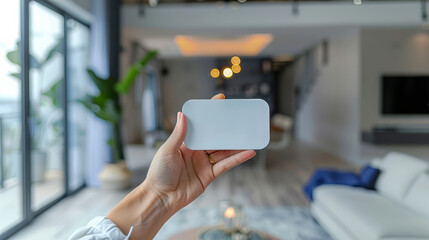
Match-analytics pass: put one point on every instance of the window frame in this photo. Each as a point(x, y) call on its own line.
point(28, 213)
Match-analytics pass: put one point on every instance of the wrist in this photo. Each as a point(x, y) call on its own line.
point(149, 196)
point(144, 209)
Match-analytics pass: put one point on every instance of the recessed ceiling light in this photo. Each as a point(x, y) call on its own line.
point(236, 68)
point(247, 45)
point(357, 2)
point(227, 72)
point(235, 60)
point(214, 73)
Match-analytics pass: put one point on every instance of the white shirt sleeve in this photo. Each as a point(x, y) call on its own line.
point(100, 228)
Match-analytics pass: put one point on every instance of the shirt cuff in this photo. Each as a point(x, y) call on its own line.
point(100, 228)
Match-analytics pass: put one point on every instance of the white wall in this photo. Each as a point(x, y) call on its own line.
point(345, 99)
point(329, 117)
point(390, 51)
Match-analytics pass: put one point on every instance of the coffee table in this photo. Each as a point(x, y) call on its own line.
point(282, 222)
point(192, 234)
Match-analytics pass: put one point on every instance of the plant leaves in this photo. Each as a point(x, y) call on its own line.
point(88, 103)
point(54, 93)
point(124, 85)
point(58, 47)
point(16, 75)
point(105, 86)
point(149, 56)
point(15, 58)
point(100, 100)
point(104, 105)
point(108, 112)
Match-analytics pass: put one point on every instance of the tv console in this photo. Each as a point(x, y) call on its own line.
point(400, 135)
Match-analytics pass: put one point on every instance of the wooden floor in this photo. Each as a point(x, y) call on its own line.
point(278, 184)
point(42, 192)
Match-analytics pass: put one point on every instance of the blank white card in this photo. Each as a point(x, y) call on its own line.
point(227, 124)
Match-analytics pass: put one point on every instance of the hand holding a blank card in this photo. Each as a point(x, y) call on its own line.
point(178, 175)
point(186, 173)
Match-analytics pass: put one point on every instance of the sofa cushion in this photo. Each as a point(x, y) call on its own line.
point(368, 215)
point(377, 163)
point(417, 197)
point(330, 225)
point(398, 172)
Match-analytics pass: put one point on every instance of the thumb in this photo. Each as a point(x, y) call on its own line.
point(178, 135)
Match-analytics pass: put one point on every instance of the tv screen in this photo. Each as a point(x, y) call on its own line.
point(405, 95)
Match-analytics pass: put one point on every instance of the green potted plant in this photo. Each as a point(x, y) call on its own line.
point(105, 105)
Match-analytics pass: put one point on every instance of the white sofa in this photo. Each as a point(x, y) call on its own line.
point(398, 210)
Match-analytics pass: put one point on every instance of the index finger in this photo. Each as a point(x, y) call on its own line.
point(232, 161)
point(219, 96)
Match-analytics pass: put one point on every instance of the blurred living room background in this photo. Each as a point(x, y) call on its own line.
point(347, 82)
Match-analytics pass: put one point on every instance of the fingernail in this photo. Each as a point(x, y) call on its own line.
point(178, 117)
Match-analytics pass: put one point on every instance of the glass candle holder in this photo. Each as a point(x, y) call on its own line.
point(230, 216)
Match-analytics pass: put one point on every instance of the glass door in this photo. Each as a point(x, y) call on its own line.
point(11, 212)
point(78, 82)
point(42, 125)
point(46, 105)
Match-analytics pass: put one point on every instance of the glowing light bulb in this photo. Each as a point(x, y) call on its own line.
point(230, 212)
point(214, 73)
point(236, 68)
point(227, 72)
point(235, 60)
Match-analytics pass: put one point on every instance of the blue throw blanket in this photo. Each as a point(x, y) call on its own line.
point(366, 179)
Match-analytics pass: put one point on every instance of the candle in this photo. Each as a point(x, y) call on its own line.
point(229, 216)
point(230, 212)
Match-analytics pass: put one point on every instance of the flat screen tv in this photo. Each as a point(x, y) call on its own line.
point(405, 95)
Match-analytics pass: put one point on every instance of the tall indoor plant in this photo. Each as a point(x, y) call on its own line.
point(106, 106)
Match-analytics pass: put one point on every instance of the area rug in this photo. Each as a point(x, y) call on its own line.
point(288, 223)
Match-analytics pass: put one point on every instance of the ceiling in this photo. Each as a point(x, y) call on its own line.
point(135, 2)
point(199, 1)
point(293, 33)
point(289, 41)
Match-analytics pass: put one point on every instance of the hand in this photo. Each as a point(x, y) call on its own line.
point(179, 175)
point(176, 177)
